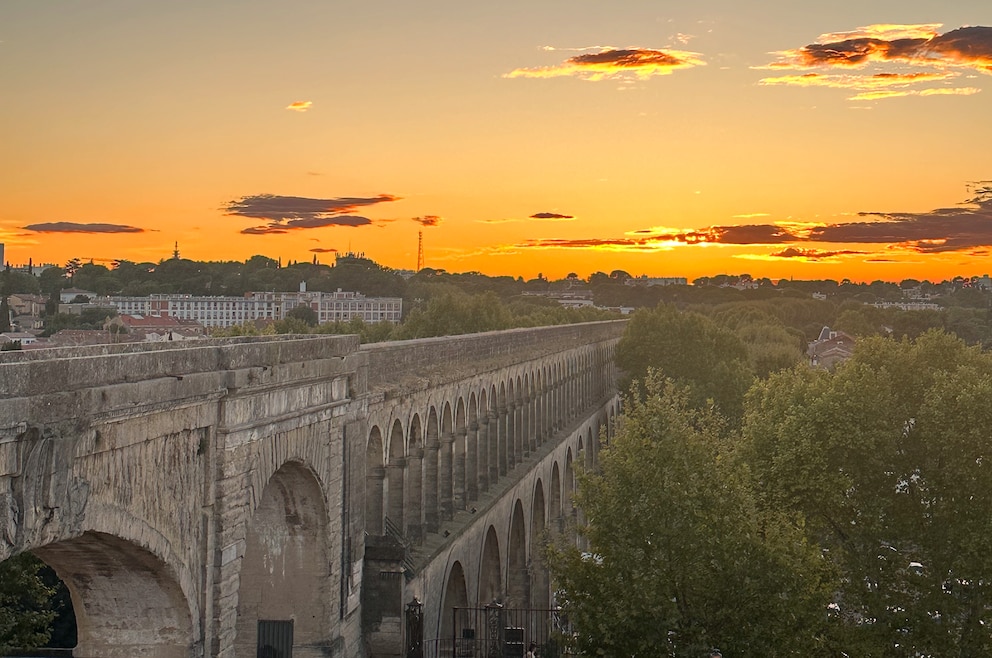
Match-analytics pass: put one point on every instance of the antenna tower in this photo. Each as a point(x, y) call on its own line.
point(420, 250)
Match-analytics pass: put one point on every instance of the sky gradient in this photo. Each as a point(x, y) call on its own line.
point(841, 140)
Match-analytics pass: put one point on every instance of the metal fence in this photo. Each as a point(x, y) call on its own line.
point(498, 632)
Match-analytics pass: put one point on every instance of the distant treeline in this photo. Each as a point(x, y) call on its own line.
point(437, 302)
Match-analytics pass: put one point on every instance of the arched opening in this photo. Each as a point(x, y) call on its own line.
point(517, 578)
point(493, 436)
point(126, 600)
point(285, 574)
point(540, 589)
point(374, 476)
point(395, 476)
point(446, 465)
point(455, 596)
point(33, 587)
point(472, 450)
point(483, 443)
point(459, 458)
point(555, 511)
point(501, 434)
point(431, 484)
point(490, 574)
point(590, 452)
point(568, 509)
point(415, 473)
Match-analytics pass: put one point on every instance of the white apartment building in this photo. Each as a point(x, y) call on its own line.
point(227, 311)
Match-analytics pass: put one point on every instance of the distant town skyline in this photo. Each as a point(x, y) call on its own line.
point(838, 141)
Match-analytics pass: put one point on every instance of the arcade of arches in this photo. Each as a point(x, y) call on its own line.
point(290, 495)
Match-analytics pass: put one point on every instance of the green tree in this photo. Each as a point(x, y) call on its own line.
point(886, 461)
point(26, 611)
point(305, 313)
point(712, 362)
point(680, 557)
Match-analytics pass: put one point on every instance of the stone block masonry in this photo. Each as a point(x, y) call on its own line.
point(186, 493)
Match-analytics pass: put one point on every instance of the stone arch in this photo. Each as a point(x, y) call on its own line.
point(540, 588)
point(483, 442)
point(519, 439)
point(285, 573)
point(455, 596)
point(555, 510)
point(459, 488)
point(431, 473)
point(517, 577)
point(415, 486)
point(446, 464)
point(127, 601)
point(395, 468)
point(568, 509)
point(512, 454)
point(375, 473)
point(472, 450)
point(490, 573)
point(501, 413)
point(494, 429)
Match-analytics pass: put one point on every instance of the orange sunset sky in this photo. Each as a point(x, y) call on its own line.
point(780, 138)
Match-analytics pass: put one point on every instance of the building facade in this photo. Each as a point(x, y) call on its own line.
point(227, 311)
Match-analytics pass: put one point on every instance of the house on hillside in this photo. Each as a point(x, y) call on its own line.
point(830, 348)
point(151, 328)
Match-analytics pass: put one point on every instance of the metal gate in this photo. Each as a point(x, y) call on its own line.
point(275, 639)
point(498, 632)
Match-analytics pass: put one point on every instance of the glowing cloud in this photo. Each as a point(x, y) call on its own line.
point(610, 63)
point(812, 254)
point(887, 45)
point(966, 229)
point(73, 227)
point(552, 216)
point(299, 106)
point(286, 213)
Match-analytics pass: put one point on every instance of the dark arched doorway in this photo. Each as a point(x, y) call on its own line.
point(490, 574)
point(285, 575)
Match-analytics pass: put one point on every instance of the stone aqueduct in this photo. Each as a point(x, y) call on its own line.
point(189, 495)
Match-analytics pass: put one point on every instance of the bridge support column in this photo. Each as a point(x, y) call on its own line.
point(472, 462)
point(494, 452)
point(431, 511)
point(415, 495)
point(528, 424)
point(374, 502)
point(501, 439)
point(395, 473)
point(511, 436)
point(445, 477)
point(518, 432)
point(483, 453)
point(459, 469)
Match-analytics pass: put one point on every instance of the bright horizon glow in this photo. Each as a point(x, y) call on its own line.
point(843, 141)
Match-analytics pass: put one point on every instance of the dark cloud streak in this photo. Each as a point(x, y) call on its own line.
point(74, 227)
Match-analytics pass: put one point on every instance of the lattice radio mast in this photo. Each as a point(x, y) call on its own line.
point(420, 250)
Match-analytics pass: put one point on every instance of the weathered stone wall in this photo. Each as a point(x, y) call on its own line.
point(167, 452)
point(186, 491)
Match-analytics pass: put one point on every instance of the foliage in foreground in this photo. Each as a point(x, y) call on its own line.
point(681, 558)
point(26, 613)
point(887, 459)
point(848, 516)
